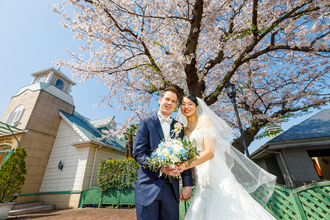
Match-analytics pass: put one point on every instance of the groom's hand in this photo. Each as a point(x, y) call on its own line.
point(169, 171)
point(186, 193)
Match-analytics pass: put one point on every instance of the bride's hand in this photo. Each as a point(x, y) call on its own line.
point(183, 166)
point(170, 171)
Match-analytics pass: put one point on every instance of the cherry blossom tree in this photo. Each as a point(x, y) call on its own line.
point(275, 52)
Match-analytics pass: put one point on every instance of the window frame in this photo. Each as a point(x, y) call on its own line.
point(16, 115)
point(39, 77)
point(64, 84)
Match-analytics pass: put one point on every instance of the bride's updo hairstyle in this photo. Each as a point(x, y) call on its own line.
point(192, 98)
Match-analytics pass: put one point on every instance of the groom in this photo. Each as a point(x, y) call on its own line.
point(157, 196)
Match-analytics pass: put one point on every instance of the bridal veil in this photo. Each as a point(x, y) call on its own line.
point(255, 180)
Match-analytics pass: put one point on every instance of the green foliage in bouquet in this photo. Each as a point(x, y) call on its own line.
point(117, 173)
point(192, 151)
point(11, 175)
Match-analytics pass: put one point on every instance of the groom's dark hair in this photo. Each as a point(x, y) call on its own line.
point(172, 89)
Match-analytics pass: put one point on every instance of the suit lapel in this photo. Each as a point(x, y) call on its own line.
point(158, 127)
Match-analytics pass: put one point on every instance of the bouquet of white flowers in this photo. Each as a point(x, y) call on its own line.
point(172, 152)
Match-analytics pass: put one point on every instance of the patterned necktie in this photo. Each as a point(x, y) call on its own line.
point(163, 119)
point(168, 120)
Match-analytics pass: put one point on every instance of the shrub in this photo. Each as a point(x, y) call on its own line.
point(117, 173)
point(11, 175)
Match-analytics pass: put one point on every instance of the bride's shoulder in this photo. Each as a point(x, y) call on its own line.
point(203, 117)
point(204, 121)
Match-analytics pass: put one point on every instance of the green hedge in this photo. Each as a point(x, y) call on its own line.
point(117, 173)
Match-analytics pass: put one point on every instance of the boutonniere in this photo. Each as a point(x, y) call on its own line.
point(177, 129)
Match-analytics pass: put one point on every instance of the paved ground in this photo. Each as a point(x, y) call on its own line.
point(84, 214)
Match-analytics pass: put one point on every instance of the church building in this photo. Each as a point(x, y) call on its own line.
point(63, 147)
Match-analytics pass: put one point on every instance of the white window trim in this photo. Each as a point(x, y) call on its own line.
point(43, 75)
point(50, 76)
point(15, 117)
point(34, 80)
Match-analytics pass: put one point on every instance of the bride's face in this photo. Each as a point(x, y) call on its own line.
point(188, 107)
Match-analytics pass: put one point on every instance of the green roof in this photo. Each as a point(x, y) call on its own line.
point(102, 123)
point(91, 132)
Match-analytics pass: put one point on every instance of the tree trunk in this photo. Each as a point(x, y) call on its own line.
point(249, 135)
point(129, 147)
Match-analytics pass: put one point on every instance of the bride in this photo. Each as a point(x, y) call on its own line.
point(227, 184)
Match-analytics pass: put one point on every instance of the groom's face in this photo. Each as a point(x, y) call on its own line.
point(167, 103)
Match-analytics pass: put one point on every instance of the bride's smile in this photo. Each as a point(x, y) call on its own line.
point(188, 107)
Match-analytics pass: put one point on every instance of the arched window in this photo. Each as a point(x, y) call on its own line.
point(15, 117)
point(41, 78)
point(60, 84)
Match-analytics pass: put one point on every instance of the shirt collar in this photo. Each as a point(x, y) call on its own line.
point(161, 116)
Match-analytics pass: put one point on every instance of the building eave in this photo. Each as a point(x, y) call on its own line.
point(274, 146)
point(95, 144)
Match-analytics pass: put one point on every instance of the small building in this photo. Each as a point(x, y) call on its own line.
point(63, 147)
point(300, 155)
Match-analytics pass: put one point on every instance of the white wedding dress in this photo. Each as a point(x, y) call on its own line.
point(218, 195)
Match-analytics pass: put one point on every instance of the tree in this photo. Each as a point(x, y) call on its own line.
point(129, 135)
point(11, 175)
point(276, 52)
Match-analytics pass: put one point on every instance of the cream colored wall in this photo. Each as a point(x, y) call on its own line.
point(61, 201)
point(74, 160)
point(103, 153)
point(89, 166)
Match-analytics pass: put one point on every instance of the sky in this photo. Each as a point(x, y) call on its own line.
point(30, 40)
point(31, 37)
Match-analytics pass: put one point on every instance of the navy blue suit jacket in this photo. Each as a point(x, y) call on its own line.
point(148, 136)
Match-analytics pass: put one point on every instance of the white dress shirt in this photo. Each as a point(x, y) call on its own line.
point(166, 131)
point(165, 126)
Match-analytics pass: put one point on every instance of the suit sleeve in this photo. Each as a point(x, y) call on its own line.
point(186, 175)
point(141, 144)
point(187, 179)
